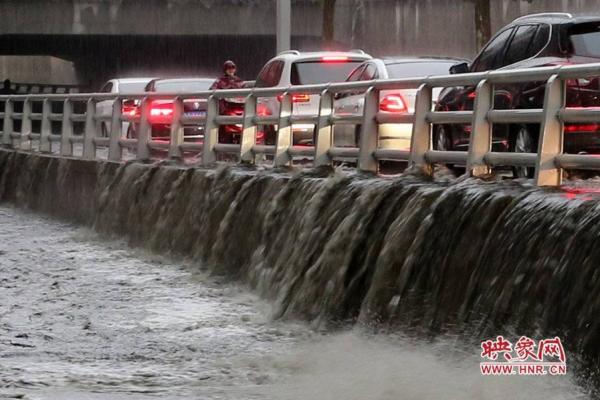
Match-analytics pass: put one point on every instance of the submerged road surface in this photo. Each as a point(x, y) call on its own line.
point(86, 318)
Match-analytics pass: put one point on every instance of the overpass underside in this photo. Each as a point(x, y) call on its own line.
point(100, 57)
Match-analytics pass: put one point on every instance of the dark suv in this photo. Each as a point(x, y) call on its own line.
point(530, 41)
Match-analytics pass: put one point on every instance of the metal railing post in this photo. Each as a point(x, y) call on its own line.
point(46, 129)
point(25, 139)
point(480, 142)
point(144, 131)
point(421, 135)
point(249, 130)
point(115, 152)
point(369, 132)
point(7, 127)
point(284, 132)
point(551, 135)
point(176, 138)
point(66, 147)
point(89, 148)
point(324, 130)
point(211, 131)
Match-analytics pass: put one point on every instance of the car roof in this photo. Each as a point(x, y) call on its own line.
point(555, 19)
point(403, 60)
point(169, 80)
point(295, 55)
point(133, 80)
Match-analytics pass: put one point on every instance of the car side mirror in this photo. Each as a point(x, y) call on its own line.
point(461, 68)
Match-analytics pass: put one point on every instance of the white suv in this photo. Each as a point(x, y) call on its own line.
point(295, 68)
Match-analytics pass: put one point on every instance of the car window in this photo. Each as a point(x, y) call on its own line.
point(540, 41)
point(418, 69)
point(369, 73)
point(518, 49)
point(355, 75)
point(585, 39)
point(315, 72)
point(107, 88)
point(132, 87)
point(270, 75)
point(196, 85)
point(489, 57)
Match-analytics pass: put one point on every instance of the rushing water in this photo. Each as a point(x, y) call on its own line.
point(450, 261)
point(85, 318)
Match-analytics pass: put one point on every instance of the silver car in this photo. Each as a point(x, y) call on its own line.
point(303, 68)
point(395, 136)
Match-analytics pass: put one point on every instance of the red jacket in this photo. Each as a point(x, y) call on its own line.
point(227, 82)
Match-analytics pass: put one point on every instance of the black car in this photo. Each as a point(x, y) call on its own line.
point(530, 41)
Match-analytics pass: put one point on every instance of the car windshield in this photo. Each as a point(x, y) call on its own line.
point(585, 40)
point(417, 69)
point(132, 87)
point(314, 72)
point(196, 85)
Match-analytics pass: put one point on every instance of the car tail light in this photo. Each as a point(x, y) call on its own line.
point(297, 98)
point(130, 108)
point(161, 113)
point(334, 58)
point(262, 110)
point(393, 103)
point(569, 128)
point(161, 109)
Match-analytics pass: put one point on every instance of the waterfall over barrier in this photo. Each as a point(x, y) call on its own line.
point(401, 253)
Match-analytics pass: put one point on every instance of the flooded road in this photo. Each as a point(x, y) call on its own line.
point(87, 318)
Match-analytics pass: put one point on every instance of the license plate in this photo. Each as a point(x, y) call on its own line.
point(195, 113)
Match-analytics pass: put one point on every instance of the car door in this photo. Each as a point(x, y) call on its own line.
point(269, 76)
point(104, 108)
point(345, 104)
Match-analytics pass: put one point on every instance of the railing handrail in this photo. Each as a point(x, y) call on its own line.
point(479, 159)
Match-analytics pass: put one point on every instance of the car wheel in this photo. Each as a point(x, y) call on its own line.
point(103, 130)
point(357, 130)
point(524, 140)
point(270, 135)
point(131, 132)
point(442, 141)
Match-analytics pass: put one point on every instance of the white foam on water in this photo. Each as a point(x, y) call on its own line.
point(352, 366)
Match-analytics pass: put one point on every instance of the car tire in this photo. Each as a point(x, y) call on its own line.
point(357, 130)
point(443, 141)
point(524, 139)
point(103, 130)
point(270, 135)
point(131, 132)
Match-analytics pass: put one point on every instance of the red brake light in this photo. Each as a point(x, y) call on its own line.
point(393, 103)
point(161, 109)
point(262, 110)
point(297, 98)
point(569, 128)
point(130, 110)
point(334, 58)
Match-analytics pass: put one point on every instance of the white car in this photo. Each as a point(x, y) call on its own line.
point(121, 86)
point(397, 136)
point(295, 68)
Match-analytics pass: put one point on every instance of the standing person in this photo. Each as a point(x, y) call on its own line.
point(229, 106)
point(229, 80)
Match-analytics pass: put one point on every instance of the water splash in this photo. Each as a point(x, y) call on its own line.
point(405, 254)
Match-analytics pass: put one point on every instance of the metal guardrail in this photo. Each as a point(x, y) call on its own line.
point(479, 159)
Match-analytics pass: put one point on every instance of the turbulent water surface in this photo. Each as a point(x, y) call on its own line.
point(86, 318)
